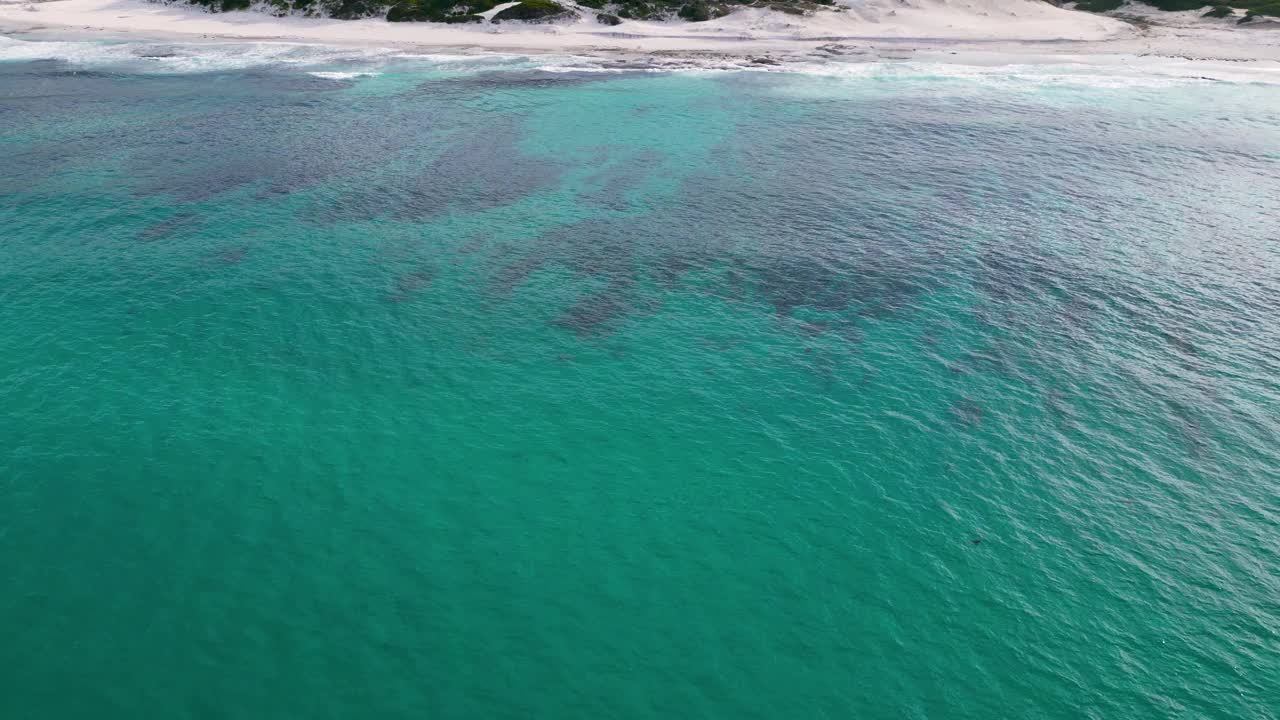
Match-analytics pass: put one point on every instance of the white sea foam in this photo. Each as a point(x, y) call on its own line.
point(1026, 75)
point(340, 62)
point(1117, 73)
point(342, 75)
point(187, 57)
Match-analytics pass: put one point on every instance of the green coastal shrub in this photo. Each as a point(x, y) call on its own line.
point(532, 10)
point(466, 11)
point(1176, 5)
point(444, 11)
point(1099, 5)
point(695, 12)
point(1257, 7)
point(1270, 9)
point(634, 9)
point(1220, 9)
point(355, 9)
point(407, 13)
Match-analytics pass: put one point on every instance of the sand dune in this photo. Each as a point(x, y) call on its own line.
point(1026, 27)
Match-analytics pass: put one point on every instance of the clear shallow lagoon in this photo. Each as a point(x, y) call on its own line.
point(470, 389)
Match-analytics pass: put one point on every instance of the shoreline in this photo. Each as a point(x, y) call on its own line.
point(941, 31)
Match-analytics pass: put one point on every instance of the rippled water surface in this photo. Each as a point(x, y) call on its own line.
point(470, 389)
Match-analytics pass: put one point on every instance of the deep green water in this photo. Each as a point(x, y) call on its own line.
point(473, 390)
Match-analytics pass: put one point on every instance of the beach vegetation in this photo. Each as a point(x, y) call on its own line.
point(1257, 7)
point(533, 10)
point(701, 10)
point(1217, 8)
point(1271, 9)
point(468, 11)
point(695, 12)
point(355, 9)
point(1252, 7)
point(444, 11)
point(1099, 6)
point(1176, 5)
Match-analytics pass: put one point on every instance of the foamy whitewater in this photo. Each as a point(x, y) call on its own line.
point(344, 62)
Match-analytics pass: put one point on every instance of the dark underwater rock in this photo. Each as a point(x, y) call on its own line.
point(232, 256)
point(410, 284)
point(166, 228)
point(598, 312)
point(967, 412)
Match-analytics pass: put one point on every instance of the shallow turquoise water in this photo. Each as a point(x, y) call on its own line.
point(473, 390)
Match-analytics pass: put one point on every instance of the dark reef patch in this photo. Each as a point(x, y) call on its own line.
point(610, 184)
point(599, 312)
point(169, 227)
point(408, 285)
point(231, 256)
point(511, 275)
point(479, 173)
point(514, 80)
point(966, 412)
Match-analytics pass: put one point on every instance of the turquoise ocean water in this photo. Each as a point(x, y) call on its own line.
point(502, 388)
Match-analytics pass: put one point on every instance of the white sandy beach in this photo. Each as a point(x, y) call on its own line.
point(969, 31)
